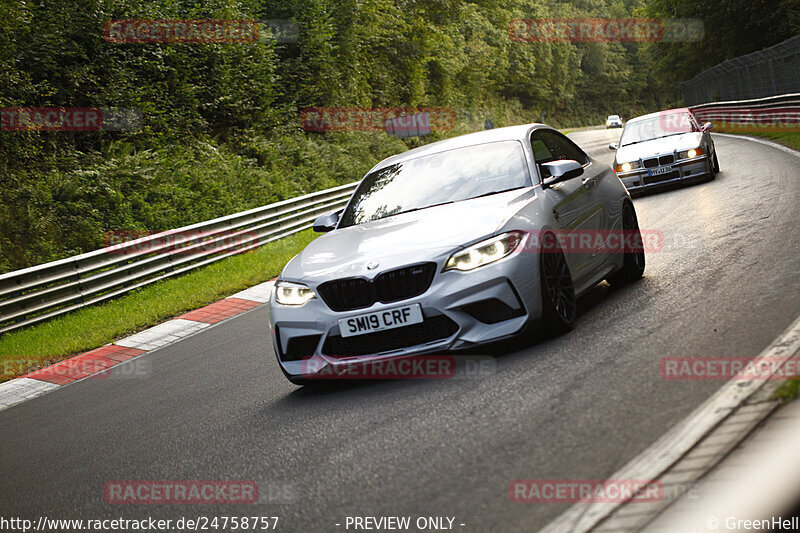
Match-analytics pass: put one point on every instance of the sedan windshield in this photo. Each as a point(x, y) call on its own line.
point(661, 125)
point(436, 179)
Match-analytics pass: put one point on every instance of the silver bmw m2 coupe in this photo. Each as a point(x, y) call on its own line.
point(455, 244)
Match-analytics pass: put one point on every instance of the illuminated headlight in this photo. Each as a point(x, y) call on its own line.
point(287, 293)
point(689, 154)
point(485, 252)
point(627, 167)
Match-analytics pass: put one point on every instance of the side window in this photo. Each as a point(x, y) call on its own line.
point(540, 152)
point(550, 145)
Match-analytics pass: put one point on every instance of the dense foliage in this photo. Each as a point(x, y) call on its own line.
point(221, 121)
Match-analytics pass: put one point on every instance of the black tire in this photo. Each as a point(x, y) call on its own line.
point(633, 250)
point(559, 306)
point(716, 164)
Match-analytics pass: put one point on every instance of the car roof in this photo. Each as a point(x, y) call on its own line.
point(661, 113)
point(510, 133)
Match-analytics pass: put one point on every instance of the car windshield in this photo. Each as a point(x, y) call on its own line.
point(661, 125)
point(613, 117)
point(436, 179)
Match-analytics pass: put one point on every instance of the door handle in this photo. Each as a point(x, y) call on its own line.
point(589, 183)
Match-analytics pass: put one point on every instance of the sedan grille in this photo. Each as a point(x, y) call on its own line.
point(650, 163)
point(654, 162)
point(391, 286)
point(431, 329)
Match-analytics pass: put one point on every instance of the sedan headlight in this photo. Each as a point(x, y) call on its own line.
point(627, 167)
point(689, 154)
point(485, 252)
point(287, 293)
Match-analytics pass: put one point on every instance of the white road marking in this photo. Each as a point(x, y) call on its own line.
point(162, 334)
point(259, 293)
point(22, 389)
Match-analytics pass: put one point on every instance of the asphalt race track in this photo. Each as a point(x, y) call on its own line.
point(216, 406)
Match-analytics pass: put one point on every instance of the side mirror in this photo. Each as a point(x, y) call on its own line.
point(613, 146)
point(562, 170)
point(707, 127)
point(325, 223)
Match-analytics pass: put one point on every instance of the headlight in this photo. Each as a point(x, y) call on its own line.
point(689, 154)
point(287, 293)
point(627, 167)
point(485, 252)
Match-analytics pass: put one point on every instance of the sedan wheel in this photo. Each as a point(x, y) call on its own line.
point(558, 293)
point(633, 264)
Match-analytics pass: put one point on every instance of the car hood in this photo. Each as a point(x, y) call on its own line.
point(396, 241)
point(664, 145)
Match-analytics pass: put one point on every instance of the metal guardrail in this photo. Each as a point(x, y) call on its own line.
point(775, 112)
point(772, 71)
point(39, 293)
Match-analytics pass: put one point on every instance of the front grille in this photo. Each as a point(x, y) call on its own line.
point(431, 329)
point(654, 162)
point(346, 294)
point(668, 176)
point(391, 286)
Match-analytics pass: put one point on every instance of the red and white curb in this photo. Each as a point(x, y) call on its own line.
point(100, 360)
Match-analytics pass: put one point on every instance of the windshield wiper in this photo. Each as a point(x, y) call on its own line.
point(659, 137)
point(671, 134)
point(453, 201)
point(419, 208)
point(495, 192)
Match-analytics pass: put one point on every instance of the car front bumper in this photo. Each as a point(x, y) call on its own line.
point(455, 308)
point(685, 171)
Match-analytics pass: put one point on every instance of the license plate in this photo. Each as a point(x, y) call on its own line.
point(660, 170)
point(380, 320)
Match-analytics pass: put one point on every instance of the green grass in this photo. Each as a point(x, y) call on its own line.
point(788, 391)
point(786, 138)
point(25, 350)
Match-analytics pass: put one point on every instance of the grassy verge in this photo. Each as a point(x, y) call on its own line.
point(55, 340)
point(786, 138)
point(788, 391)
